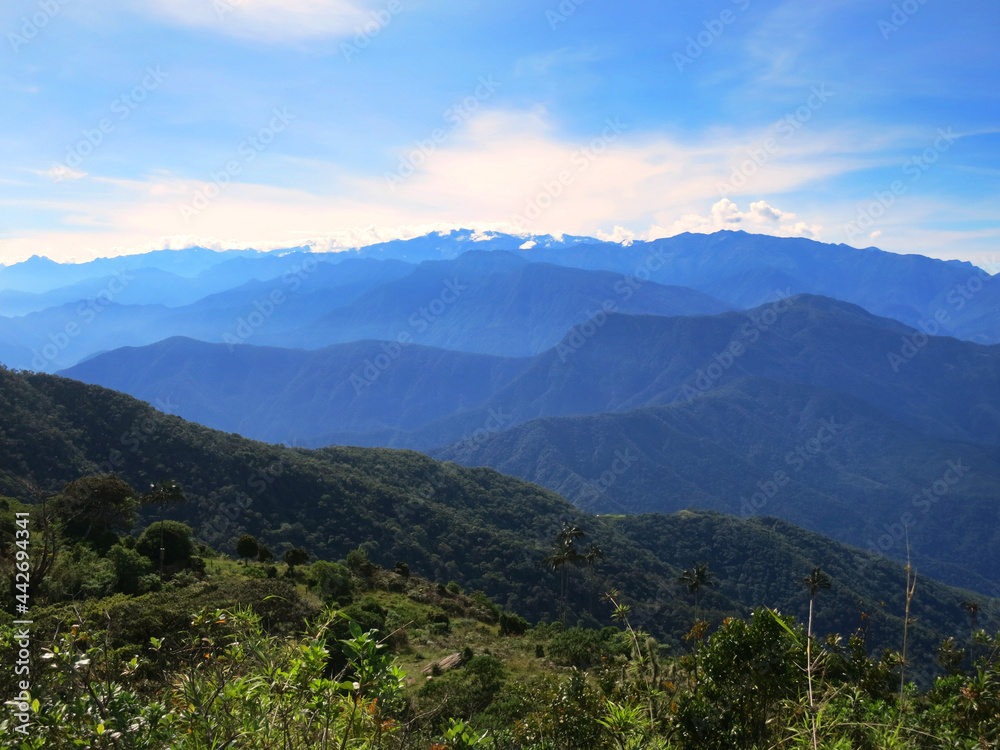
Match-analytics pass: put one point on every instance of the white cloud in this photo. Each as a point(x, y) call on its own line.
point(59, 172)
point(266, 20)
point(619, 234)
point(483, 175)
point(762, 218)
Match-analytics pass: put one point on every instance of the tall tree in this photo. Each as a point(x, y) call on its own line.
point(101, 502)
point(295, 556)
point(972, 607)
point(564, 554)
point(163, 493)
point(816, 581)
point(247, 547)
point(698, 578)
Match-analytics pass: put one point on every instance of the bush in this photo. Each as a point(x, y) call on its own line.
point(330, 580)
point(129, 567)
point(511, 624)
point(177, 543)
point(577, 647)
point(357, 561)
point(368, 613)
point(466, 691)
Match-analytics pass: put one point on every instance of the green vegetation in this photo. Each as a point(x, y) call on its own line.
point(337, 656)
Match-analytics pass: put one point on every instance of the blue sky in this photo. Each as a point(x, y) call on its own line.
point(142, 124)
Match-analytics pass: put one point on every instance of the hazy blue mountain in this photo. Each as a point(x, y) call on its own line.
point(942, 387)
point(493, 303)
point(123, 311)
point(61, 336)
point(290, 395)
point(938, 385)
point(451, 244)
point(817, 458)
point(490, 303)
point(950, 297)
point(128, 287)
point(41, 274)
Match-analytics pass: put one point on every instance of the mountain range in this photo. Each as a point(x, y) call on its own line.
point(849, 391)
point(54, 315)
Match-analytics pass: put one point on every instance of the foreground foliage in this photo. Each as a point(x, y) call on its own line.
point(350, 676)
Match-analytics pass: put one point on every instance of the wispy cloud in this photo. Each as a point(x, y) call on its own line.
point(264, 20)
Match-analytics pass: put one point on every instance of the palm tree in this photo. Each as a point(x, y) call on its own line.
point(163, 493)
point(697, 578)
point(592, 555)
point(566, 553)
point(972, 607)
point(570, 534)
point(816, 581)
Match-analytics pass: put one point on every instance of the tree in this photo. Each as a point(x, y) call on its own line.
point(101, 502)
point(357, 560)
point(163, 493)
point(263, 553)
point(295, 556)
point(247, 547)
point(816, 581)
point(566, 553)
point(697, 578)
point(972, 607)
point(171, 541)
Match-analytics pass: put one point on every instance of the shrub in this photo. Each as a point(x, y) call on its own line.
point(178, 545)
point(330, 580)
point(130, 567)
point(357, 561)
point(577, 647)
point(511, 624)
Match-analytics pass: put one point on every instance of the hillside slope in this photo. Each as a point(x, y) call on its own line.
point(814, 457)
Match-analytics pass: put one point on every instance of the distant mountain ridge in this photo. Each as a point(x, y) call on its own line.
point(736, 269)
point(946, 389)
